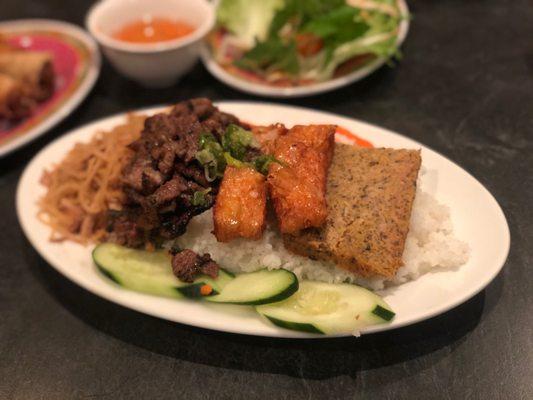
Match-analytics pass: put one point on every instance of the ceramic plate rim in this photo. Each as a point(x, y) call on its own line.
point(301, 91)
point(26, 220)
point(72, 102)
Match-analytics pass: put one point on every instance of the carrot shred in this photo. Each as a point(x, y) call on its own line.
point(356, 139)
point(206, 290)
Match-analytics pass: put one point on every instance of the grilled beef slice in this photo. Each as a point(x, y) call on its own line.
point(186, 265)
point(163, 175)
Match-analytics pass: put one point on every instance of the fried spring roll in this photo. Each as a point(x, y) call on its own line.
point(298, 184)
point(4, 46)
point(33, 69)
point(240, 206)
point(13, 105)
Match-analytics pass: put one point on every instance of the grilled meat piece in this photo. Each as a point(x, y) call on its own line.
point(123, 230)
point(298, 185)
point(163, 175)
point(186, 265)
point(168, 191)
point(240, 206)
point(370, 193)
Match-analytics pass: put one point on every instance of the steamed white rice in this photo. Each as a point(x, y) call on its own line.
point(430, 245)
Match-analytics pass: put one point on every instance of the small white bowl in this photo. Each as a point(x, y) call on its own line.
point(158, 64)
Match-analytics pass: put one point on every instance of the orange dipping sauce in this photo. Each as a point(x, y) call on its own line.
point(150, 30)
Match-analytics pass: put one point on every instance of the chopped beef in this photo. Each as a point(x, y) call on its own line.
point(190, 172)
point(209, 267)
point(186, 265)
point(151, 179)
point(175, 224)
point(160, 180)
point(124, 231)
point(133, 177)
point(167, 157)
point(169, 191)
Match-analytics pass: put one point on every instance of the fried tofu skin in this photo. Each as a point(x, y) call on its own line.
point(297, 184)
point(267, 136)
point(370, 194)
point(240, 206)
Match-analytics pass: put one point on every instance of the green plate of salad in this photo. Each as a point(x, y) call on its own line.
point(290, 48)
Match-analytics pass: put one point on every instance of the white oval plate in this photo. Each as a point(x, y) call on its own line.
point(476, 216)
point(86, 65)
point(305, 90)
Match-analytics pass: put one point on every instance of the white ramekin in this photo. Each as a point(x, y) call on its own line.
point(157, 64)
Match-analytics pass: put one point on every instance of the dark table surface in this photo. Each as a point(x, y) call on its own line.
point(464, 87)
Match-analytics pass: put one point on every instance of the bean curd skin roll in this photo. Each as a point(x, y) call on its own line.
point(297, 184)
point(33, 69)
point(240, 207)
point(13, 104)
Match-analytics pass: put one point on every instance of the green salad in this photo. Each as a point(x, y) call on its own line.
point(294, 42)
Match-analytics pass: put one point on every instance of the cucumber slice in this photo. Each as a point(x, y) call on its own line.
point(151, 272)
point(328, 308)
point(260, 287)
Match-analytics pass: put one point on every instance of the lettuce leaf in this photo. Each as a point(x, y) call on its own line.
point(248, 20)
point(337, 25)
point(272, 54)
point(381, 45)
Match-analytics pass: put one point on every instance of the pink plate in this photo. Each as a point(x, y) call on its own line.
point(76, 63)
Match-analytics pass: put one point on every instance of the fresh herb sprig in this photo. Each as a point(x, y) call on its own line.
point(233, 148)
